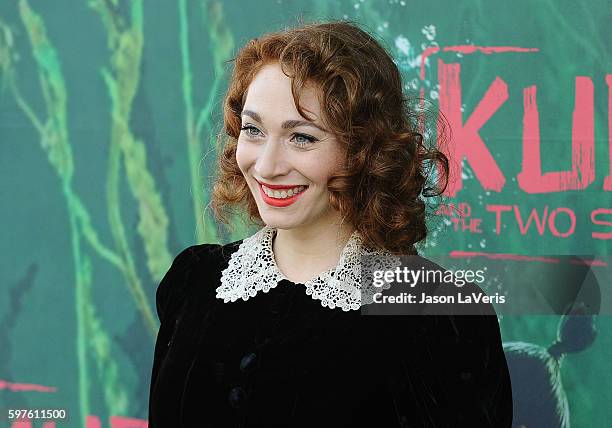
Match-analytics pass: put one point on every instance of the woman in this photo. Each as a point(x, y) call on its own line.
point(322, 152)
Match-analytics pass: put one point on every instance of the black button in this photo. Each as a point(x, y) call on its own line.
point(237, 397)
point(466, 375)
point(248, 362)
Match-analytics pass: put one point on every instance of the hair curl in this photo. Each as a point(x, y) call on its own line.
point(381, 190)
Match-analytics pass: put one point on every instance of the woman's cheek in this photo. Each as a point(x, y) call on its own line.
point(243, 155)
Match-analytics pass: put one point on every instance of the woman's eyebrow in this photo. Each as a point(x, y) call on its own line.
point(288, 124)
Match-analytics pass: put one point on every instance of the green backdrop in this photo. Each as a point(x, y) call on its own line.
point(108, 113)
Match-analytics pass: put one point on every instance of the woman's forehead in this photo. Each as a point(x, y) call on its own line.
point(271, 76)
point(270, 93)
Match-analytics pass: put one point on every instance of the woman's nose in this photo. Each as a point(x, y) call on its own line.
point(270, 159)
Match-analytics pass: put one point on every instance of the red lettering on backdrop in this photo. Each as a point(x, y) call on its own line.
point(552, 225)
point(93, 422)
point(466, 139)
point(498, 209)
point(608, 180)
point(540, 224)
point(531, 179)
point(117, 422)
point(540, 220)
point(28, 424)
point(123, 422)
point(595, 220)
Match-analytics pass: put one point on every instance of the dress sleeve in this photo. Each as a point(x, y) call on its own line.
point(168, 297)
point(175, 277)
point(456, 375)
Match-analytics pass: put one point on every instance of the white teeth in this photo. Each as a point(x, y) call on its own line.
point(283, 194)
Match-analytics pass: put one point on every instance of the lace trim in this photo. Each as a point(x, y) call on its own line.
point(252, 268)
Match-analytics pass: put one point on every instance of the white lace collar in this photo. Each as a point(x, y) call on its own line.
point(252, 268)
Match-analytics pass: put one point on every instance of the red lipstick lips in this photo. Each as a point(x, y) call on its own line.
point(278, 202)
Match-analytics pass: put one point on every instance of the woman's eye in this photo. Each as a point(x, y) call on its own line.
point(249, 128)
point(306, 140)
point(301, 140)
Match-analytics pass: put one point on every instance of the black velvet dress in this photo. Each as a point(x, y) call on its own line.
point(282, 359)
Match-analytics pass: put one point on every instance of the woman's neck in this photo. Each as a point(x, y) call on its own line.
point(303, 253)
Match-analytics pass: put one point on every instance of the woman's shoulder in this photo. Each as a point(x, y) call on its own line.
point(197, 265)
point(205, 253)
point(437, 314)
point(205, 256)
point(458, 359)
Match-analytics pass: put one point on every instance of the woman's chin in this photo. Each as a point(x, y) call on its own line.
point(279, 223)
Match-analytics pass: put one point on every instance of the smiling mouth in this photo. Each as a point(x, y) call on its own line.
point(282, 194)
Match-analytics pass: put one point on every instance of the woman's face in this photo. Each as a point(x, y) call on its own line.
point(278, 147)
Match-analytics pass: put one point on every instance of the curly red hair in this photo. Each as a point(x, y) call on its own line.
point(381, 190)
